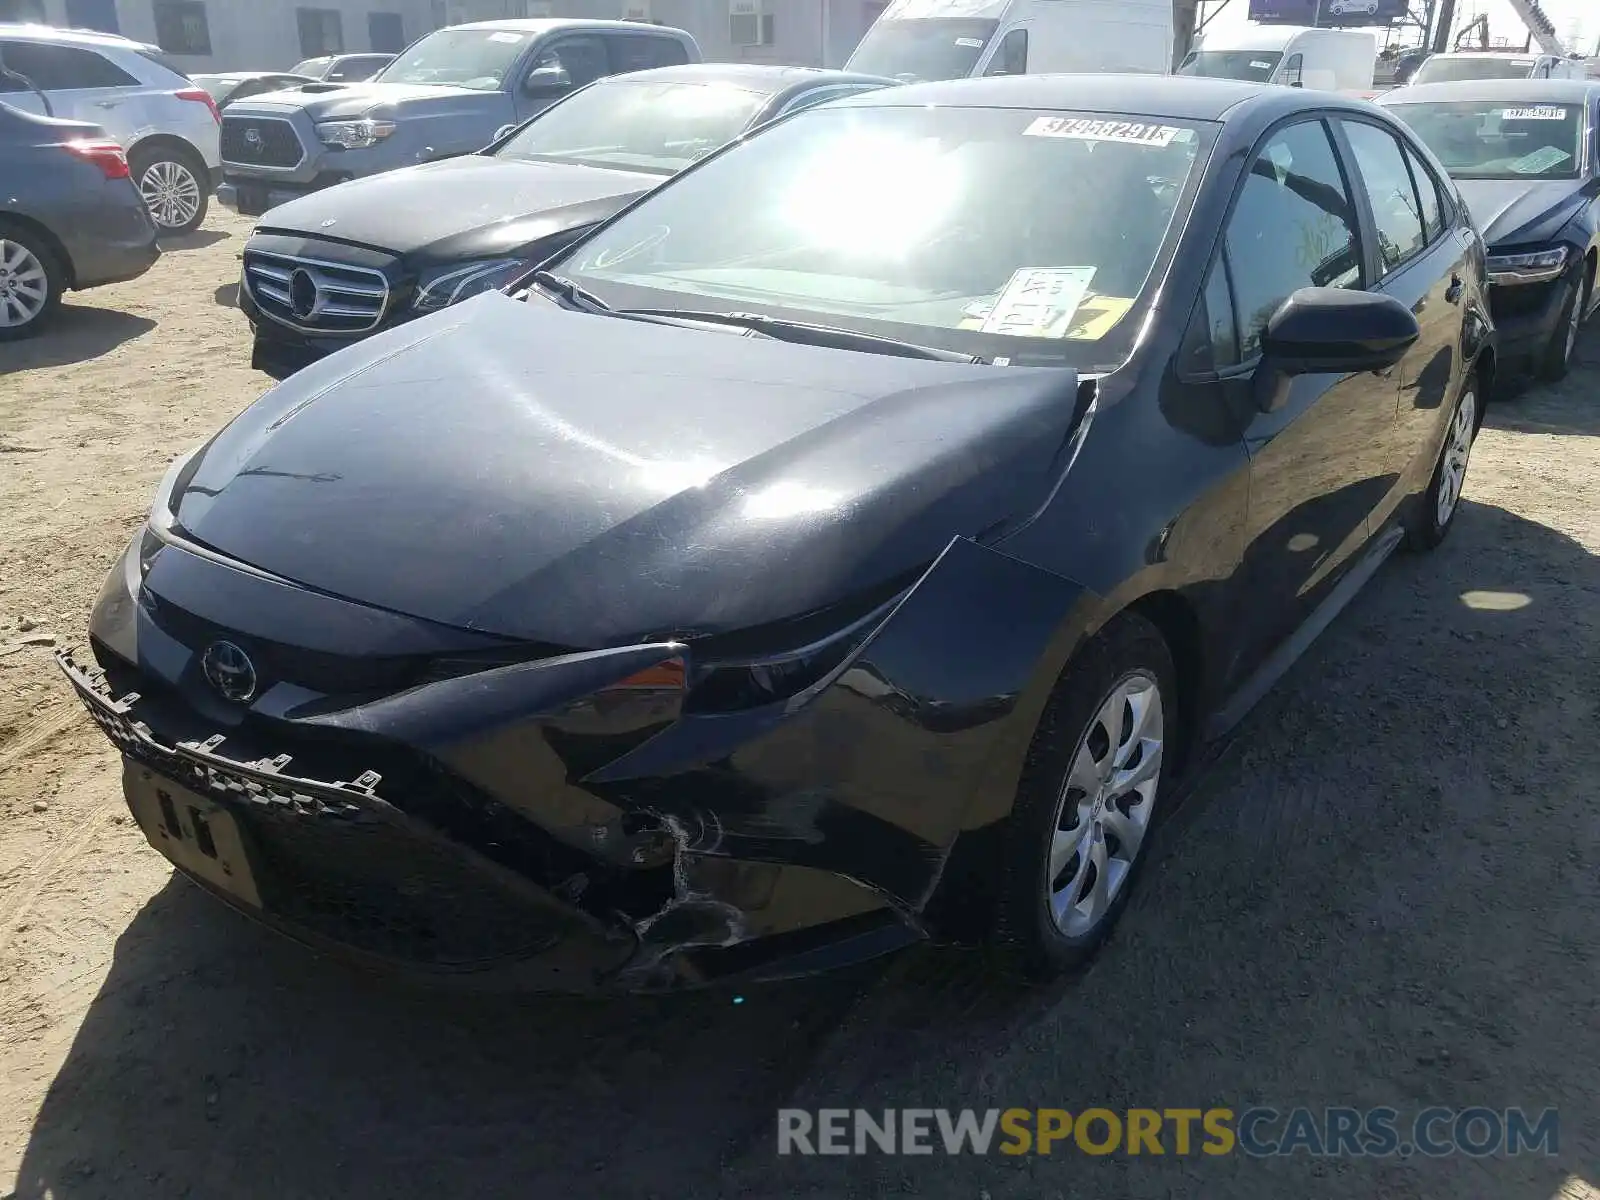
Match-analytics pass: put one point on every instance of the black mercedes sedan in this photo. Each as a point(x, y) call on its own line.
point(1522, 153)
point(330, 268)
point(852, 543)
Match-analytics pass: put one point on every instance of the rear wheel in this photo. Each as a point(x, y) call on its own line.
point(1080, 829)
point(173, 184)
point(31, 282)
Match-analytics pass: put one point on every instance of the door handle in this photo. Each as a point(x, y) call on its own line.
point(1453, 293)
point(107, 103)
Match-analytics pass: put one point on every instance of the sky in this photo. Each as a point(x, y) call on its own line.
point(1503, 21)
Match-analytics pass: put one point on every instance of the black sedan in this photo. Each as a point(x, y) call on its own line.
point(326, 270)
point(70, 217)
point(1522, 153)
point(852, 543)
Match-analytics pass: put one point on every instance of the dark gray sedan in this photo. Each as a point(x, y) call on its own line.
point(70, 217)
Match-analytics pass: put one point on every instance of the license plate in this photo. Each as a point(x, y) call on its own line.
point(193, 832)
point(252, 201)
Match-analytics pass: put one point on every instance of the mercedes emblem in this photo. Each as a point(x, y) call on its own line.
point(305, 297)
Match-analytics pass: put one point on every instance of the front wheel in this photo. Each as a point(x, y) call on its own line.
point(1437, 511)
point(173, 184)
point(1081, 825)
point(1557, 360)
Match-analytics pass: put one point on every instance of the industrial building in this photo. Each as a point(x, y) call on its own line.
point(223, 35)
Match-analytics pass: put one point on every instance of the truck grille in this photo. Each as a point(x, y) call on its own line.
point(261, 142)
point(313, 295)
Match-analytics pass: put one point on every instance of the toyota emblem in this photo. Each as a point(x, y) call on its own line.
point(252, 137)
point(229, 669)
point(305, 297)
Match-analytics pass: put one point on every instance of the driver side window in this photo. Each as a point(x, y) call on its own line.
point(1293, 226)
point(568, 64)
point(1012, 56)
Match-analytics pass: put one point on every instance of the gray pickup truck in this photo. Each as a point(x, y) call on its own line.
point(451, 92)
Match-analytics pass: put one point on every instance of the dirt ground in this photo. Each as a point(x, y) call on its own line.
point(1385, 893)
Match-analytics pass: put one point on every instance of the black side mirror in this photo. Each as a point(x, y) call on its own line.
point(1332, 331)
point(547, 81)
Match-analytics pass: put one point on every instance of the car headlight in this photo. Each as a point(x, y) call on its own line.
point(354, 135)
point(449, 285)
point(1536, 266)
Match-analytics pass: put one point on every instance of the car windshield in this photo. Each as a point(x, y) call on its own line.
point(312, 67)
point(658, 127)
point(932, 48)
point(1490, 66)
point(1500, 139)
point(1029, 236)
point(1255, 65)
point(469, 58)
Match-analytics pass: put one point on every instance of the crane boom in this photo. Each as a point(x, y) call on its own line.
point(1540, 25)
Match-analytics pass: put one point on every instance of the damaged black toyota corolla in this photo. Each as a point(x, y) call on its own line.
point(848, 544)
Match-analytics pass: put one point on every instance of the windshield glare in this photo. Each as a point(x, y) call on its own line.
point(1479, 139)
point(1255, 65)
point(1444, 70)
point(469, 58)
point(915, 49)
point(659, 127)
point(998, 232)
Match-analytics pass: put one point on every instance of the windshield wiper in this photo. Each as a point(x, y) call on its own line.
point(563, 288)
point(806, 334)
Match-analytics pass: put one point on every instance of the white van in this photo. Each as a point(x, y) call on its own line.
point(1330, 60)
point(952, 39)
point(1488, 64)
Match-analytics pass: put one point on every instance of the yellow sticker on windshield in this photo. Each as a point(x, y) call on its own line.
point(1086, 129)
point(1098, 316)
point(1039, 302)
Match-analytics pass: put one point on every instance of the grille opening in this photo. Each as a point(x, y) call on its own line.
point(260, 142)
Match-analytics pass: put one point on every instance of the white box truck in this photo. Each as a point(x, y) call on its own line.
point(952, 39)
point(1330, 60)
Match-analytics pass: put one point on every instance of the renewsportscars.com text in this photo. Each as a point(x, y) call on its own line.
point(1258, 1132)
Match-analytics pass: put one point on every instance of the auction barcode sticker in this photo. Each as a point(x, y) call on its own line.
point(1542, 112)
point(1089, 129)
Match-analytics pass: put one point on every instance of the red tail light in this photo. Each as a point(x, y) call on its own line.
point(106, 155)
point(201, 96)
point(669, 675)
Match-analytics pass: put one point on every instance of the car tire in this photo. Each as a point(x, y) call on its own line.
point(1096, 776)
point(1557, 359)
point(1436, 508)
point(31, 282)
point(175, 186)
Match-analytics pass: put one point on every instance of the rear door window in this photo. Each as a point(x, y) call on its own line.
point(54, 68)
point(636, 52)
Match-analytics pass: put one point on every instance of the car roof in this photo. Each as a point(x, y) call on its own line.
point(550, 24)
point(363, 54)
point(1572, 91)
point(1178, 97)
point(756, 77)
point(71, 37)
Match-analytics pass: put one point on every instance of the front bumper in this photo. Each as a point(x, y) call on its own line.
point(252, 198)
point(1526, 316)
point(510, 821)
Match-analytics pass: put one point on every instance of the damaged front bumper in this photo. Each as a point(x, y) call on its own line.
point(529, 820)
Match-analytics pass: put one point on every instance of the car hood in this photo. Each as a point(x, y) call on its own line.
point(475, 204)
point(1517, 212)
point(523, 470)
point(371, 99)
